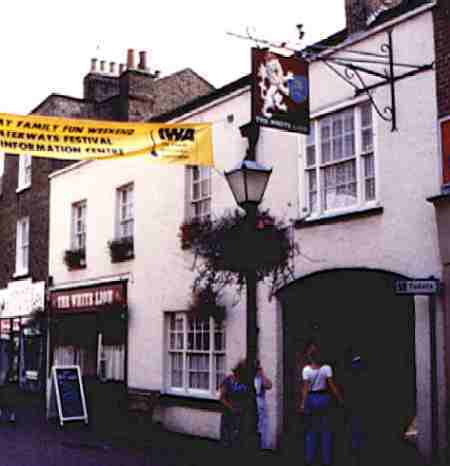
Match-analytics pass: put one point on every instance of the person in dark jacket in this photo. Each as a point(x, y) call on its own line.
point(357, 404)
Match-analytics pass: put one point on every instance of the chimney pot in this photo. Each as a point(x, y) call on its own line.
point(102, 65)
point(93, 65)
point(130, 58)
point(142, 60)
point(112, 67)
point(121, 68)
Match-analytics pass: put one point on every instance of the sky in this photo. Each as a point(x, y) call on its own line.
point(47, 45)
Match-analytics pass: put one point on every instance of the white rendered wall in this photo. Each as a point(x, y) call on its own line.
point(402, 239)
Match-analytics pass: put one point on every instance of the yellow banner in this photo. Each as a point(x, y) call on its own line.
point(71, 139)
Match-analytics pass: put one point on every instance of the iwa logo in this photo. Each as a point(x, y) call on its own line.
point(168, 135)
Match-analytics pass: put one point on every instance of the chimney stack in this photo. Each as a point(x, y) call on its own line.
point(142, 60)
point(112, 67)
point(130, 58)
point(93, 65)
point(356, 15)
point(359, 13)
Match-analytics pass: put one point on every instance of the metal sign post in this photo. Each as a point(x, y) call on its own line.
point(430, 287)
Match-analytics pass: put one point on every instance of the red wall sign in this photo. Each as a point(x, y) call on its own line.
point(445, 144)
point(88, 299)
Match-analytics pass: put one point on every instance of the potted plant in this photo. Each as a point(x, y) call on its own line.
point(75, 258)
point(121, 249)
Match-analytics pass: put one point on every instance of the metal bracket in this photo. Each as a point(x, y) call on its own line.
point(352, 69)
point(353, 64)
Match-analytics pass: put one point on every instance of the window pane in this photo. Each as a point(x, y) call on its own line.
point(176, 369)
point(366, 114)
point(339, 185)
point(370, 189)
point(349, 144)
point(367, 140)
point(326, 152)
point(337, 127)
point(310, 156)
point(337, 149)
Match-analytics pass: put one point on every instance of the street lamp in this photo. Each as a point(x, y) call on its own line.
point(248, 182)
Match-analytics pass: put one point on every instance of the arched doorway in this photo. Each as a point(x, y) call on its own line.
point(358, 310)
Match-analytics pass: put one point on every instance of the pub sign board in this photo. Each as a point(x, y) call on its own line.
point(280, 91)
point(69, 392)
point(88, 299)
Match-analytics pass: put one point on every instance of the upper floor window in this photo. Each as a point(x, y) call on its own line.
point(196, 355)
point(125, 208)
point(22, 245)
point(339, 162)
point(200, 192)
point(78, 240)
point(24, 175)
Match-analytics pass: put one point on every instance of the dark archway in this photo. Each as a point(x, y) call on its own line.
point(358, 309)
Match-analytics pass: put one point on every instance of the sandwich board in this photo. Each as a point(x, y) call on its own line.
point(69, 394)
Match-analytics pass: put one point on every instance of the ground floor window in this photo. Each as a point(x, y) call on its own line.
point(196, 355)
point(94, 343)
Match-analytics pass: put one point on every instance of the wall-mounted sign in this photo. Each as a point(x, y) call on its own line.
point(88, 299)
point(424, 287)
point(280, 94)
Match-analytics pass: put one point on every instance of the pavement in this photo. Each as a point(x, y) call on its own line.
point(34, 441)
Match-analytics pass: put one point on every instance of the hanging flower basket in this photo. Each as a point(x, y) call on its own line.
point(190, 231)
point(121, 249)
point(75, 258)
point(204, 305)
point(232, 244)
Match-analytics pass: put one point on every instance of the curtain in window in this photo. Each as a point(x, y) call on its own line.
point(113, 358)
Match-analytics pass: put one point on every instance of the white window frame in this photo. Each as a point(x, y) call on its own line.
point(24, 172)
point(22, 246)
point(200, 192)
point(364, 165)
point(173, 346)
point(124, 220)
point(78, 228)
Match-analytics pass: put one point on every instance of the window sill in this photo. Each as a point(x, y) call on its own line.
point(22, 274)
point(325, 219)
point(23, 188)
point(206, 404)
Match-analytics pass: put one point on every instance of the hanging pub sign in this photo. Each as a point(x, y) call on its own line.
point(74, 139)
point(280, 91)
point(88, 299)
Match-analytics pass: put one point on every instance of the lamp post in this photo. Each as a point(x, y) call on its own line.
point(248, 182)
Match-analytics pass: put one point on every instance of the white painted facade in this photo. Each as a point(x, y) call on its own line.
point(402, 239)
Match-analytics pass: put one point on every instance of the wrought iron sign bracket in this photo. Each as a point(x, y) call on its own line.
point(353, 65)
point(353, 70)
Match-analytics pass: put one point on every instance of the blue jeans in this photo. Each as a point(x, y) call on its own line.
point(318, 426)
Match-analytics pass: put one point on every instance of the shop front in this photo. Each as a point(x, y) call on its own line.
point(88, 328)
point(22, 336)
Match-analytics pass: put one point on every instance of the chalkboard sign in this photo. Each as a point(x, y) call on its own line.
point(69, 393)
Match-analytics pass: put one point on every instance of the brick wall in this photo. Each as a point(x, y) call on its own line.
point(441, 18)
